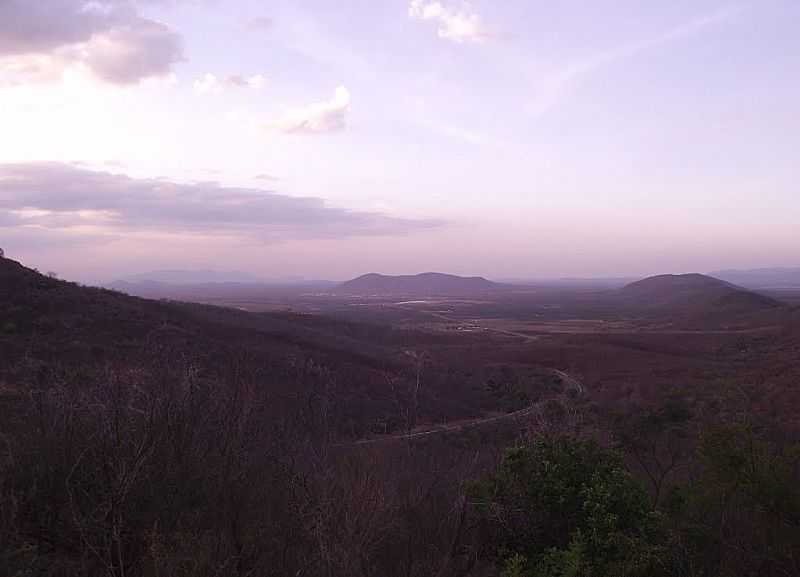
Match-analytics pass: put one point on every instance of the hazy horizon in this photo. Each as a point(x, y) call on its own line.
point(188, 277)
point(325, 140)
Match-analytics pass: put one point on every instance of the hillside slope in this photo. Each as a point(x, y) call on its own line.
point(55, 333)
point(699, 300)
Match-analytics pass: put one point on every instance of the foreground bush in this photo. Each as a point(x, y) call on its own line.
point(567, 507)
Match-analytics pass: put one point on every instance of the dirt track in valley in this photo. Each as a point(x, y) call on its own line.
point(568, 381)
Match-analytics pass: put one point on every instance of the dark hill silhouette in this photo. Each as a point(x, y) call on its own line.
point(699, 300)
point(53, 327)
point(55, 318)
point(670, 289)
point(429, 283)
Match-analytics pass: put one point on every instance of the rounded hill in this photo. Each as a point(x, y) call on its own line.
point(698, 299)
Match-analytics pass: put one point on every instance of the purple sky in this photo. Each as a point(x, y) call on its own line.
point(319, 139)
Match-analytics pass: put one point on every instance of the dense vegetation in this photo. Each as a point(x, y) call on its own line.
point(563, 506)
point(155, 439)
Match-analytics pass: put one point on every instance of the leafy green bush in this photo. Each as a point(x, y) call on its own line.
point(567, 507)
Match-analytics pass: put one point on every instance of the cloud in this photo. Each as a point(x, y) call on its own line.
point(455, 25)
point(210, 83)
point(65, 197)
point(39, 41)
point(127, 54)
point(321, 117)
point(553, 87)
point(255, 81)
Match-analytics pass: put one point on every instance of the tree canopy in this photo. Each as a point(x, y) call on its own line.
point(567, 507)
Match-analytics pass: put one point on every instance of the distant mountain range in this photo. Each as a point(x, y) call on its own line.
point(762, 278)
point(433, 283)
point(429, 283)
point(202, 285)
point(188, 277)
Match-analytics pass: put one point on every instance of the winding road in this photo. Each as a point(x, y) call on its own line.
point(569, 382)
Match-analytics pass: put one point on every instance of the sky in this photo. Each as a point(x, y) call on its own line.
point(318, 139)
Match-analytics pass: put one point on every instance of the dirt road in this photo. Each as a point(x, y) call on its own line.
point(568, 381)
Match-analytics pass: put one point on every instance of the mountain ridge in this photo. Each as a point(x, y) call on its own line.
point(427, 283)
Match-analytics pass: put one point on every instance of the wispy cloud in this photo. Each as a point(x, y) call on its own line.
point(455, 25)
point(69, 198)
point(452, 131)
point(317, 118)
point(211, 84)
point(553, 86)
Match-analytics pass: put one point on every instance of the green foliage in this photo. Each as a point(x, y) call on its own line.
point(564, 562)
point(567, 507)
point(515, 566)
